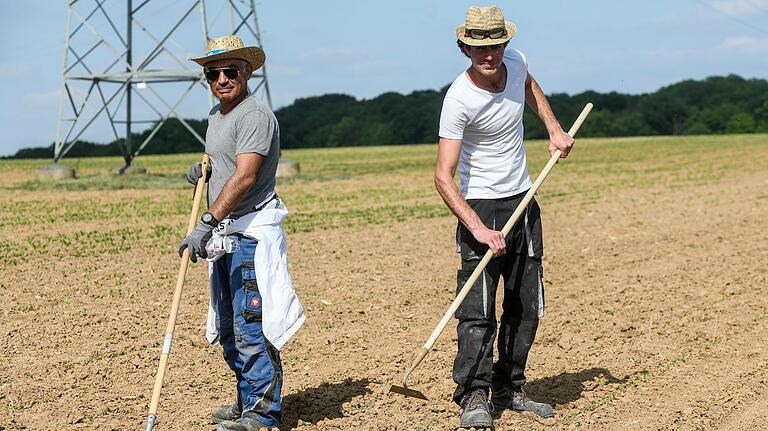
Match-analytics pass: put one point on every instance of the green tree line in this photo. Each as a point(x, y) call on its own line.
point(716, 105)
point(172, 138)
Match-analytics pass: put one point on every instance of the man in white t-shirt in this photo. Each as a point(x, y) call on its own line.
point(481, 131)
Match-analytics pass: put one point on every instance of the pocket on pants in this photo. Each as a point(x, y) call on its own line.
point(251, 308)
point(475, 304)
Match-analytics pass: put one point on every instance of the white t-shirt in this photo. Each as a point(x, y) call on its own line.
point(490, 127)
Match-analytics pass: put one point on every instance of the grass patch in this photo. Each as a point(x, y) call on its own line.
point(339, 188)
point(85, 244)
point(38, 211)
point(106, 182)
point(322, 220)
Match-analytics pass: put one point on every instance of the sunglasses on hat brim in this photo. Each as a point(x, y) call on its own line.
point(478, 34)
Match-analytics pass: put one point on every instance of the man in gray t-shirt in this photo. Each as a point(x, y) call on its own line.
point(243, 142)
point(249, 128)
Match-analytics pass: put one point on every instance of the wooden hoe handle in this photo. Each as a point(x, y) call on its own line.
point(152, 415)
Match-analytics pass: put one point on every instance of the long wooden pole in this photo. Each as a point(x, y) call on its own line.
point(152, 415)
point(489, 254)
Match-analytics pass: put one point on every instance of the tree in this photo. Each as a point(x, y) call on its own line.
point(599, 124)
point(740, 122)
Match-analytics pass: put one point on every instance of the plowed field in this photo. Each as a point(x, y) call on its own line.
point(657, 293)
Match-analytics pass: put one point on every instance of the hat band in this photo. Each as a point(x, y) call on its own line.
point(216, 51)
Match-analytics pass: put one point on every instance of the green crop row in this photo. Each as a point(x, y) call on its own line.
point(99, 242)
point(18, 213)
point(85, 243)
point(331, 219)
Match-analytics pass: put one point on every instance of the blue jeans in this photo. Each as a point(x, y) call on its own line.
point(254, 360)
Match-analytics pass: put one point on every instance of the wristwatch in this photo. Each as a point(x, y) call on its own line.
point(209, 219)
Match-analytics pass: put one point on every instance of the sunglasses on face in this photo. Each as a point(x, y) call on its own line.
point(213, 74)
point(496, 33)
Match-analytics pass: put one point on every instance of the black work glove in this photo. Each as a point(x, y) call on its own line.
point(196, 242)
point(196, 171)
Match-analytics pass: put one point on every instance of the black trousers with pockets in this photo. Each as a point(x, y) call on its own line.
point(523, 302)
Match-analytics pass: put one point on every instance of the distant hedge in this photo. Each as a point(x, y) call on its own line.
point(716, 105)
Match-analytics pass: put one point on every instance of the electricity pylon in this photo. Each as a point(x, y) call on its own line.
point(109, 68)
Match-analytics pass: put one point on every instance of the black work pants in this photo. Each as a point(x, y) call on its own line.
point(523, 301)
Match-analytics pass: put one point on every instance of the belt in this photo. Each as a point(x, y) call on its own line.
point(264, 205)
point(260, 207)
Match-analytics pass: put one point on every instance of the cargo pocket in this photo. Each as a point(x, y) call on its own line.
point(475, 304)
point(251, 309)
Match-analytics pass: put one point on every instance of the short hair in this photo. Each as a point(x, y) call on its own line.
point(242, 64)
point(464, 48)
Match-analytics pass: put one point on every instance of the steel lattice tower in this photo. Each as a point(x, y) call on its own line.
point(107, 69)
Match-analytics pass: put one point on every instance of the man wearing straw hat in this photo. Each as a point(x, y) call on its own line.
point(254, 309)
point(481, 131)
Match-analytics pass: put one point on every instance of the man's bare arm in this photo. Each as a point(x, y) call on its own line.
point(535, 98)
point(247, 166)
point(447, 158)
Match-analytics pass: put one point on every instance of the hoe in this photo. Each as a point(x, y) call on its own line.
point(152, 416)
point(409, 392)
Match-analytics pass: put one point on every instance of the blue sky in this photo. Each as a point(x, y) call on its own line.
point(367, 48)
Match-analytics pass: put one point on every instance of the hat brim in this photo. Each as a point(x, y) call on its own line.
point(252, 54)
point(508, 25)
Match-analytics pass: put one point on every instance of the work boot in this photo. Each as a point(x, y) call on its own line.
point(228, 412)
point(518, 401)
point(245, 423)
point(475, 412)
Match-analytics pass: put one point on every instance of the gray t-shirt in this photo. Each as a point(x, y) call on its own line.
point(250, 127)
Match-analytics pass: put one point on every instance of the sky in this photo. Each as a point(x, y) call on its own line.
point(366, 48)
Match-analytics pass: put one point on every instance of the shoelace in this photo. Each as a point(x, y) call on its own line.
point(477, 400)
point(523, 396)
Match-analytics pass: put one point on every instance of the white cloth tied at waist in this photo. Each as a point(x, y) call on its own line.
point(282, 313)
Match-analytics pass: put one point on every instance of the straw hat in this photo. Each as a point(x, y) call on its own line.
point(231, 47)
point(485, 18)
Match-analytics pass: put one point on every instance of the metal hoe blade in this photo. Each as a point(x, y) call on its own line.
point(408, 392)
point(404, 389)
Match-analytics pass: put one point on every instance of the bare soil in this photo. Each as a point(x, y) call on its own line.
point(657, 318)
